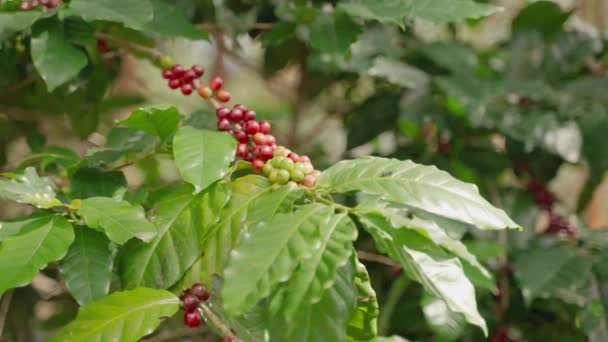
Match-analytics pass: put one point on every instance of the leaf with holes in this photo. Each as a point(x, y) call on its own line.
point(120, 220)
point(182, 219)
point(122, 316)
point(278, 246)
point(363, 325)
point(202, 156)
point(30, 188)
point(42, 240)
point(87, 268)
point(416, 186)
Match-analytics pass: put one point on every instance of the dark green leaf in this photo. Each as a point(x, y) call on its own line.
point(122, 316)
point(122, 143)
point(202, 156)
point(333, 34)
point(56, 59)
point(40, 241)
point(91, 182)
point(30, 188)
point(374, 116)
point(17, 21)
point(132, 13)
point(160, 122)
point(541, 16)
point(399, 73)
point(87, 267)
point(118, 219)
point(170, 21)
point(279, 33)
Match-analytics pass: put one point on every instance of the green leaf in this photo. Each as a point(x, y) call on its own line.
point(122, 316)
point(87, 267)
point(435, 11)
point(182, 219)
point(160, 122)
point(30, 188)
point(122, 143)
point(44, 239)
point(280, 33)
point(60, 156)
point(399, 73)
point(363, 323)
point(277, 201)
point(375, 115)
point(416, 186)
point(132, 13)
point(445, 324)
point(278, 246)
point(543, 16)
point(441, 274)
point(56, 59)
point(9, 228)
point(170, 21)
point(333, 33)
point(554, 270)
point(316, 273)
point(325, 320)
point(393, 338)
point(20, 20)
point(120, 220)
point(91, 182)
point(202, 156)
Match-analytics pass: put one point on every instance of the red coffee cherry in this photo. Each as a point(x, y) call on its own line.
point(223, 95)
point(198, 70)
point(265, 126)
point(216, 83)
point(192, 318)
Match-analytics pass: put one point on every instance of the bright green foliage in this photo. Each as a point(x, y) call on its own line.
point(40, 241)
point(87, 267)
point(120, 220)
point(132, 13)
point(30, 188)
point(160, 122)
point(122, 316)
point(202, 156)
point(333, 33)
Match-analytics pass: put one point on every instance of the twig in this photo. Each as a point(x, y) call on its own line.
point(220, 47)
point(381, 259)
point(128, 44)
point(21, 84)
point(6, 303)
point(235, 25)
point(217, 322)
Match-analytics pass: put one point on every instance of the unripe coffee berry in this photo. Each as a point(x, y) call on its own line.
point(205, 92)
point(309, 181)
point(223, 95)
point(283, 177)
point(267, 168)
point(297, 175)
point(259, 139)
point(165, 62)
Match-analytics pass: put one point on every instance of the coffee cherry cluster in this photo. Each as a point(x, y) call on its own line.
point(288, 166)
point(542, 196)
point(184, 79)
point(191, 299)
point(34, 4)
point(560, 225)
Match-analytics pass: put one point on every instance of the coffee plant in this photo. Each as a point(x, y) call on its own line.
point(261, 235)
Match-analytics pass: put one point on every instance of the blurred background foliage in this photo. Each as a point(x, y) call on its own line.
point(516, 103)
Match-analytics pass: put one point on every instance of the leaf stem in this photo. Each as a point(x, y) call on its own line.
point(217, 322)
point(130, 45)
point(394, 295)
point(381, 259)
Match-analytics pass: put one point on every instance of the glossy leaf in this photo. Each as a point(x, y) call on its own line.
point(333, 34)
point(30, 188)
point(132, 13)
point(87, 267)
point(445, 324)
point(325, 320)
point(278, 246)
point(317, 272)
point(182, 220)
point(375, 115)
point(363, 323)
point(202, 156)
point(56, 59)
point(21, 20)
point(42, 240)
point(169, 21)
point(120, 220)
point(417, 186)
point(91, 182)
point(160, 122)
point(122, 316)
point(441, 274)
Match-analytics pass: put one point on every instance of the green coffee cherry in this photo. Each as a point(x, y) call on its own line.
point(274, 175)
point(276, 161)
point(267, 169)
point(297, 175)
point(286, 164)
point(283, 177)
point(165, 62)
point(306, 168)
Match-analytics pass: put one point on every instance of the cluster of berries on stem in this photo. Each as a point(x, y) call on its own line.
point(544, 199)
point(255, 143)
point(36, 4)
point(191, 299)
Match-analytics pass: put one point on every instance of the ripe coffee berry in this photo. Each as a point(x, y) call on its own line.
point(236, 115)
point(188, 76)
point(248, 115)
point(190, 302)
point(309, 181)
point(252, 127)
point(266, 152)
point(216, 83)
point(167, 74)
point(200, 291)
point(174, 83)
point(265, 127)
point(242, 150)
point(178, 70)
point(259, 139)
point(223, 95)
point(223, 125)
point(192, 318)
point(102, 46)
point(241, 136)
point(293, 156)
point(258, 164)
point(222, 113)
point(187, 89)
point(198, 70)
point(240, 106)
point(270, 139)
